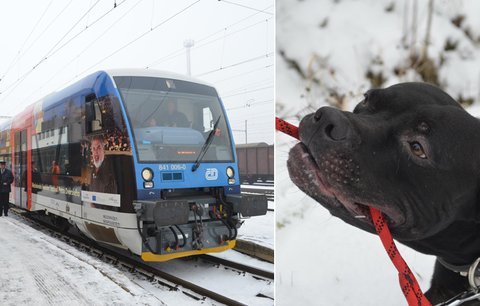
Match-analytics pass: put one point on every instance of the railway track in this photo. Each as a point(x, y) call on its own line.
point(268, 192)
point(135, 265)
point(238, 266)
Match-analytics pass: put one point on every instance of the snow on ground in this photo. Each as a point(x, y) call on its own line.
point(259, 229)
point(320, 260)
point(37, 269)
point(245, 259)
point(242, 288)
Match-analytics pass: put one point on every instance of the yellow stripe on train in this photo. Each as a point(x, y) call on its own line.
point(149, 256)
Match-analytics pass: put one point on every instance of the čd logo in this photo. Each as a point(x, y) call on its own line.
point(211, 174)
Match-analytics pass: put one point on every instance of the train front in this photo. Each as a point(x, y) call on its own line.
point(188, 188)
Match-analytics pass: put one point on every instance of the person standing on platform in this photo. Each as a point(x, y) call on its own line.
point(6, 179)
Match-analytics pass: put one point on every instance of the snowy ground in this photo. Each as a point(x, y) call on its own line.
point(319, 259)
point(259, 229)
point(42, 270)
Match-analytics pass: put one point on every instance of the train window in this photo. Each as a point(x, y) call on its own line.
point(171, 121)
point(207, 119)
point(93, 113)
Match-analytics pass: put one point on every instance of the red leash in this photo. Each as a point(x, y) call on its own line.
point(408, 282)
point(287, 128)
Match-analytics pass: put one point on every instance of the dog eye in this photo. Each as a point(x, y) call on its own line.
point(417, 149)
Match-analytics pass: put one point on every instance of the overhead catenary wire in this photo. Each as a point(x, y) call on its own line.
point(249, 86)
point(134, 40)
point(244, 73)
point(87, 27)
point(46, 56)
point(249, 91)
point(253, 104)
point(66, 34)
point(54, 19)
point(53, 51)
point(180, 51)
point(88, 47)
point(18, 55)
point(236, 64)
point(208, 39)
point(245, 6)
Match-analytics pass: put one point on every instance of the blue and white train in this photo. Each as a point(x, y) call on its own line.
point(139, 159)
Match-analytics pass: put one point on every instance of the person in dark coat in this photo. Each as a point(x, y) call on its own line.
point(172, 117)
point(6, 179)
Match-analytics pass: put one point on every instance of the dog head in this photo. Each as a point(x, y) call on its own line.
point(409, 150)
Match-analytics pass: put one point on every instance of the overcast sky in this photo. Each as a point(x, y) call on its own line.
point(48, 44)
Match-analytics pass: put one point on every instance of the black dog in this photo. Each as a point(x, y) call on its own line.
point(410, 151)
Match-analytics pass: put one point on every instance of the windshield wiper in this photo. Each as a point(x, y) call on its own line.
point(205, 146)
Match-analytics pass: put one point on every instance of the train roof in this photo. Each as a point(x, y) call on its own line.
point(89, 81)
point(154, 73)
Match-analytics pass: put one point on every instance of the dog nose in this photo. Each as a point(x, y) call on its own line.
point(332, 124)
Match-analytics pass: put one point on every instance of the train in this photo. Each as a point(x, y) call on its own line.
point(139, 159)
point(255, 162)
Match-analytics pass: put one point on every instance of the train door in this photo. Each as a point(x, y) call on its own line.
point(21, 168)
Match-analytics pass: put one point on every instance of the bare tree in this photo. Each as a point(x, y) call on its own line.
point(405, 25)
point(414, 27)
point(426, 41)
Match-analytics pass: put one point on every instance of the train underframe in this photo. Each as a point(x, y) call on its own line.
point(187, 222)
point(184, 222)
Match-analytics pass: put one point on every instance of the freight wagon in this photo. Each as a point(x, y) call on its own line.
point(255, 162)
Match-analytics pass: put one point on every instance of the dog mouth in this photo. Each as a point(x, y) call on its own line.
point(306, 174)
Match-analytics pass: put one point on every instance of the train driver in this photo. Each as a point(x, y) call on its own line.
point(172, 117)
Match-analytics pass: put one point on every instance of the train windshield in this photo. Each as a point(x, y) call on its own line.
point(171, 120)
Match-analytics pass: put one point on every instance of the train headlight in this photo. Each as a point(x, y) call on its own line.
point(230, 172)
point(147, 174)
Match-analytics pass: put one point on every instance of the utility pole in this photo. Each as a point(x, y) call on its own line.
point(246, 133)
point(188, 44)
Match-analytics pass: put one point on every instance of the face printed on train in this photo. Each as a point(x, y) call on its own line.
point(98, 152)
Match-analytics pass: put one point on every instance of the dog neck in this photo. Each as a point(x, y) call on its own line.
point(457, 245)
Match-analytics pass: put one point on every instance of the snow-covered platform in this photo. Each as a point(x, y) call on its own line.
point(37, 269)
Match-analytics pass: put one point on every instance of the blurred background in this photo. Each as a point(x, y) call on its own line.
point(330, 52)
